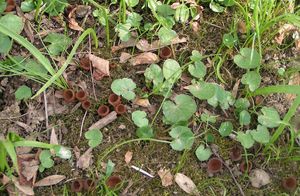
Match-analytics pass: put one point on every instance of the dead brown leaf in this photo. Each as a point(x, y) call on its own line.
point(130, 43)
point(23, 188)
point(125, 57)
point(144, 45)
point(4, 180)
point(53, 137)
point(142, 102)
point(73, 24)
point(242, 27)
point(101, 65)
point(50, 180)
point(166, 177)
point(195, 26)
point(144, 58)
point(30, 168)
point(128, 156)
point(283, 32)
point(85, 159)
point(294, 80)
point(186, 184)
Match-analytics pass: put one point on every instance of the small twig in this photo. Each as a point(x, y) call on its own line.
point(46, 109)
point(91, 69)
point(81, 127)
point(104, 121)
point(142, 171)
point(230, 171)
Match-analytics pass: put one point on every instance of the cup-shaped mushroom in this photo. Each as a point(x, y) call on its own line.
point(236, 153)
point(103, 110)
point(113, 181)
point(165, 52)
point(86, 104)
point(81, 95)
point(114, 99)
point(89, 184)
point(289, 183)
point(85, 63)
point(214, 165)
point(77, 185)
point(69, 95)
point(120, 109)
point(246, 168)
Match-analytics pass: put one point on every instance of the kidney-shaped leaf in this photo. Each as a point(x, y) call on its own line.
point(247, 59)
point(139, 118)
point(252, 79)
point(94, 136)
point(261, 134)
point(124, 87)
point(245, 139)
point(145, 132)
point(270, 117)
point(197, 69)
point(183, 108)
point(202, 90)
point(183, 138)
point(225, 129)
point(203, 153)
point(171, 70)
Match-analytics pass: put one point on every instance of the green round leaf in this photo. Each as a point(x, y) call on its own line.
point(154, 73)
point(62, 152)
point(245, 139)
point(12, 22)
point(124, 87)
point(132, 3)
point(225, 129)
point(247, 59)
point(202, 90)
point(241, 104)
point(27, 6)
point(229, 40)
point(252, 79)
point(134, 19)
point(171, 70)
point(183, 109)
point(145, 132)
point(203, 153)
point(216, 7)
point(94, 136)
point(45, 158)
point(197, 69)
point(23, 93)
point(5, 44)
point(183, 138)
point(196, 56)
point(166, 35)
point(261, 134)
point(123, 31)
point(139, 118)
point(269, 117)
point(244, 117)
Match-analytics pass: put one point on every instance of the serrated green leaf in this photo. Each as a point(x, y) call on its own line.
point(245, 139)
point(183, 138)
point(94, 136)
point(145, 132)
point(202, 153)
point(252, 79)
point(247, 59)
point(123, 31)
point(134, 19)
point(225, 129)
point(139, 118)
point(171, 70)
point(124, 87)
point(23, 93)
point(261, 134)
point(244, 117)
point(241, 104)
point(269, 117)
point(184, 105)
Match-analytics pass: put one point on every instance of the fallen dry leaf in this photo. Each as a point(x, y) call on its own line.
point(142, 102)
point(30, 168)
point(23, 188)
point(242, 27)
point(259, 178)
point(144, 45)
point(4, 180)
point(186, 184)
point(85, 159)
point(50, 180)
point(73, 24)
point(195, 26)
point(130, 43)
point(53, 137)
point(101, 65)
point(283, 32)
point(294, 80)
point(128, 156)
point(166, 177)
point(125, 57)
point(144, 58)
point(235, 88)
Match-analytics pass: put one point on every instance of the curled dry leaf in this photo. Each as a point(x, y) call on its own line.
point(23, 188)
point(101, 65)
point(130, 43)
point(125, 57)
point(144, 58)
point(4, 180)
point(294, 80)
point(144, 45)
point(186, 184)
point(50, 180)
point(142, 102)
point(53, 137)
point(128, 156)
point(73, 24)
point(166, 177)
point(85, 159)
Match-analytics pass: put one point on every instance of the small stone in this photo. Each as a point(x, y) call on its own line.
point(259, 178)
point(122, 127)
point(82, 11)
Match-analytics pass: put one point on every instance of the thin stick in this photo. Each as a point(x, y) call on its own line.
point(46, 109)
point(91, 72)
point(81, 127)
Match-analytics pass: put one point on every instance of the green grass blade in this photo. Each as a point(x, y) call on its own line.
point(289, 89)
point(34, 144)
point(10, 149)
point(72, 53)
point(3, 161)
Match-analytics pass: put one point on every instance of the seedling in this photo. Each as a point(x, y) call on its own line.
point(23, 93)
point(94, 136)
point(197, 69)
point(124, 87)
point(46, 160)
point(269, 117)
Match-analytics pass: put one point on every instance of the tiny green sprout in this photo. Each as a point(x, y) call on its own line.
point(139, 118)
point(23, 93)
point(134, 19)
point(183, 138)
point(245, 139)
point(247, 59)
point(203, 153)
point(94, 136)
point(110, 166)
point(124, 87)
point(46, 160)
point(145, 132)
point(229, 40)
point(241, 104)
point(225, 129)
point(123, 31)
point(269, 117)
point(182, 13)
point(281, 71)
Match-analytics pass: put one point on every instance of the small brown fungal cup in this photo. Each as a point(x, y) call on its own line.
point(113, 181)
point(86, 104)
point(85, 63)
point(114, 99)
point(165, 52)
point(69, 95)
point(103, 110)
point(214, 165)
point(81, 95)
point(246, 168)
point(89, 184)
point(289, 183)
point(236, 153)
point(120, 109)
point(77, 185)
